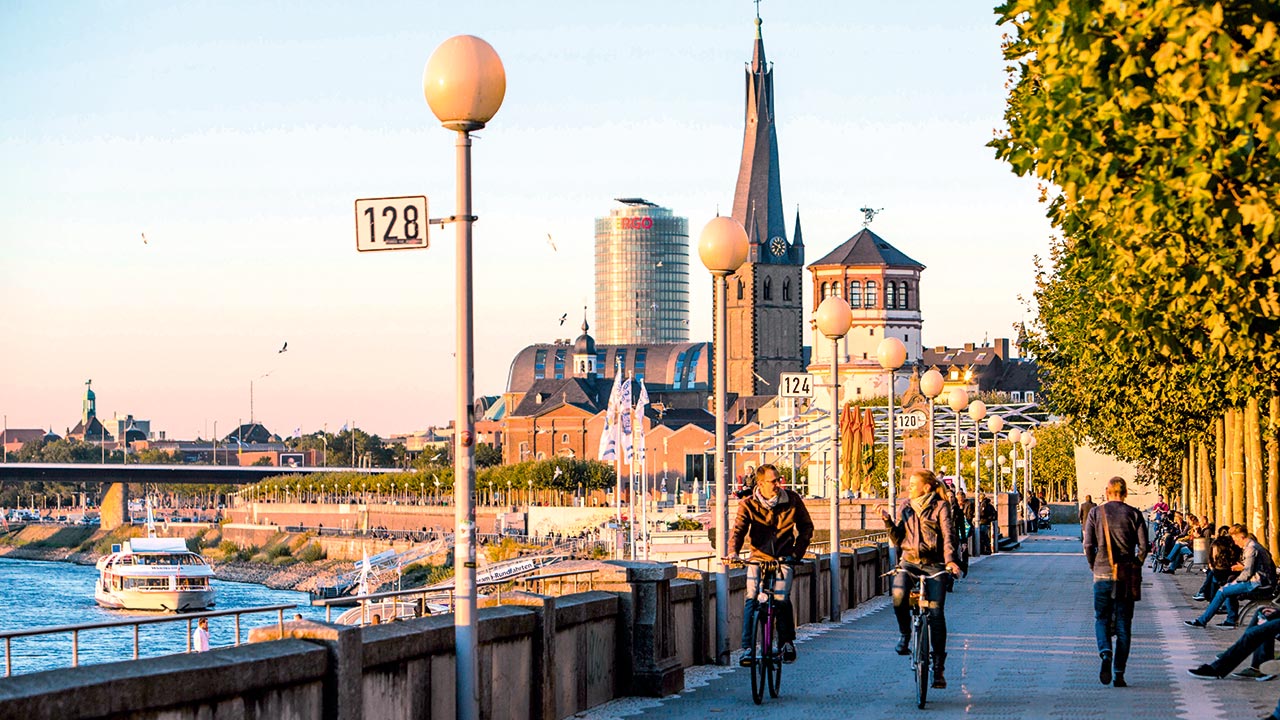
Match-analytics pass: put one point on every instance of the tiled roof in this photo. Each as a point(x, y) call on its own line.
point(867, 249)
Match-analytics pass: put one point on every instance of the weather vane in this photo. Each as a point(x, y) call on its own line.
point(869, 214)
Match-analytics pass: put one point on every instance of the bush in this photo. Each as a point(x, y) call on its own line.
point(284, 561)
point(278, 551)
point(228, 549)
point(684, 524)
point(258, 558)
point(312, 552)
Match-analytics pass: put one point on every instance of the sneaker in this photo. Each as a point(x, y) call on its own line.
point(1198, 597)
point(1104, 673)
point(1204, 672)
point(1225, 625)
point(1119, 681)
point(788, 653)
point(748, 658)
point(1193, 623)
point(904, 645)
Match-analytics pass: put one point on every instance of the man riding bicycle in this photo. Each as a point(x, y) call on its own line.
point(924, 536)
point(780, 529)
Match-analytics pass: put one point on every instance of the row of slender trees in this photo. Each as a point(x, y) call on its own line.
point(1153, 127)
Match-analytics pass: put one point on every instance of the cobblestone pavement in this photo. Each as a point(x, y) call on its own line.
point(1020, 645)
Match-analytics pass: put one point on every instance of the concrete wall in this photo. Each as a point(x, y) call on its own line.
point(540, 657)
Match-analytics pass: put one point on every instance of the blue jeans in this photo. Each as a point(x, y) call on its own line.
point(1259, 640)
point(1112, 617)
point(786, 620)
point(1227, 595)
point(1179, 551)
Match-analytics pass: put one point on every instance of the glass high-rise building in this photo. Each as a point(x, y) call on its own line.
point(642, 275)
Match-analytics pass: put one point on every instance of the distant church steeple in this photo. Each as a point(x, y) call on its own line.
point(90, 409)
point(757, 199)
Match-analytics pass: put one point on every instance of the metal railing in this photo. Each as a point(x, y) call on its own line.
point(575, 574)
point(428, 594)
point(75, 630)
point(699, 559)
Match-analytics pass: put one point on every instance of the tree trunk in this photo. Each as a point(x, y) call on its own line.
point(1207, 498)
point(1236, 456)
point(1273, 472)
point(1184, 498)
point(1253, 469)
point(1222, 482)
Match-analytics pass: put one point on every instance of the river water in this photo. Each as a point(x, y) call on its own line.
point(46, 594)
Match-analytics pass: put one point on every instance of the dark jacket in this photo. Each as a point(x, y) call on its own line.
point(1128, 537)
point(989, 514)
point(927, 538)
point(1085, 508)
point(782, 530)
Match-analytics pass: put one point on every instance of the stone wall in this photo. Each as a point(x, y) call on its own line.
point(539, 656)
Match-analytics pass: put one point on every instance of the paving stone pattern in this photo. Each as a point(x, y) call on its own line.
point(1020, 646)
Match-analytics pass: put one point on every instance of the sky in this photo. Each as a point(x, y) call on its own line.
point(237, 136)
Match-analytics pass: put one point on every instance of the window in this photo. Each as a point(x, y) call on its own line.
point(691, 368)
point(739, 288)
point(678, 378)
point(768, 288)
point(855, 294)
point(825, 288)
point(1016, 396)
point(890, 295)
point(540, 365)
point(559, 363)
point(871, 293)
point(1029, 396)
point(600, 353)
point(642, 356)
point(835, 289)
point(564, 438)
point(786, 290)
point(953, 375)
point(904, 299)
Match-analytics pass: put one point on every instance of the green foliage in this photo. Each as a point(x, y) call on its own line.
point(1152, 125)
point(488, 455)
point(312, 552)
point(263, 461)
point(684, 524)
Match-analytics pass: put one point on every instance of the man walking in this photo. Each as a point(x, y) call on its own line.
point(1115, 536)
point(1085, 508)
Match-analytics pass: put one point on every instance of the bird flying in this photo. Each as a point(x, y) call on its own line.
point(144, 238)
point(552, 243)
point(286, 347)
point(563, 318)
point(766, 382)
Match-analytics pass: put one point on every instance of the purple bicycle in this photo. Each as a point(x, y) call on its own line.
point(766, 671)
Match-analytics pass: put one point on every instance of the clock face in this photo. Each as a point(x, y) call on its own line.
point(778, 246)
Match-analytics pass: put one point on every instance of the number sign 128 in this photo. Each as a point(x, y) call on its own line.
point(395, 223)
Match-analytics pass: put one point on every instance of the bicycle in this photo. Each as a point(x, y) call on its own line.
point(766, 670)
point(919, 628)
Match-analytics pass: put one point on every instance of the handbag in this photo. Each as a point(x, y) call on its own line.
point(1127, 574)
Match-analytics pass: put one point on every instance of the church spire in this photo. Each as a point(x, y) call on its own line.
point(757, 199)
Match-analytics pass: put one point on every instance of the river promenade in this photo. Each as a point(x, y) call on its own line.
point(1020, 647)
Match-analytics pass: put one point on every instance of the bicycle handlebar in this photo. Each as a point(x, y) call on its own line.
point(912, 571)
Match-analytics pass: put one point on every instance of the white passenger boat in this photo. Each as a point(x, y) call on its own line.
point(154, 573)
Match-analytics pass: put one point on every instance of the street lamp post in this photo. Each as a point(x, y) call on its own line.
point(1028, 441)
point(958, 400)
point(1015, 434)
point(977, 411)
point(995, 424)
point(464, 83)
point(722, 247)
point(891, 353)
point(931, 386)
point(833, 319)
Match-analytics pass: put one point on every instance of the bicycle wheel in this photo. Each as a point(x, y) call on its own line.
point(921, 659)
point(773, 667)
point(760, 646)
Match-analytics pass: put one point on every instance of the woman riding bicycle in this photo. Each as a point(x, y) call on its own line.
point(778, 524)
point(925, 538)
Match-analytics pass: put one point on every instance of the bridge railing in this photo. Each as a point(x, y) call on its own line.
point(136, 623)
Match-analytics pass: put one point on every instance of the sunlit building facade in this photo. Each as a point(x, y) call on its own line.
point(642, 275)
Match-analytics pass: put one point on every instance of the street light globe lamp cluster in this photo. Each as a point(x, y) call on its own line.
point(464, 84)
point(722, 247)
point(833, 318)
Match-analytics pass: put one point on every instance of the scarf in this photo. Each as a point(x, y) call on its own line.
point(771, 502)
point(922, 502)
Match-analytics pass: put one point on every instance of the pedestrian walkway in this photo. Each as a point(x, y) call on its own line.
point(1020, 645)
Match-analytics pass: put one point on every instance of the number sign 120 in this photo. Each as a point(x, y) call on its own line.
point(396, 223)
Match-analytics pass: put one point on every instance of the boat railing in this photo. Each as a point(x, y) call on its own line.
point(189, 618)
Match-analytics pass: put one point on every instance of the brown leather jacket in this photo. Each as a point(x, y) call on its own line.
point(784, 529)
point(927, 538)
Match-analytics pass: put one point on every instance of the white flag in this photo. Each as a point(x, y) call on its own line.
point(642, 399)
point(608, 450)
point(624, 412)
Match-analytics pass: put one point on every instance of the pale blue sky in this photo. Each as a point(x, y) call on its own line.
point(237, 136)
